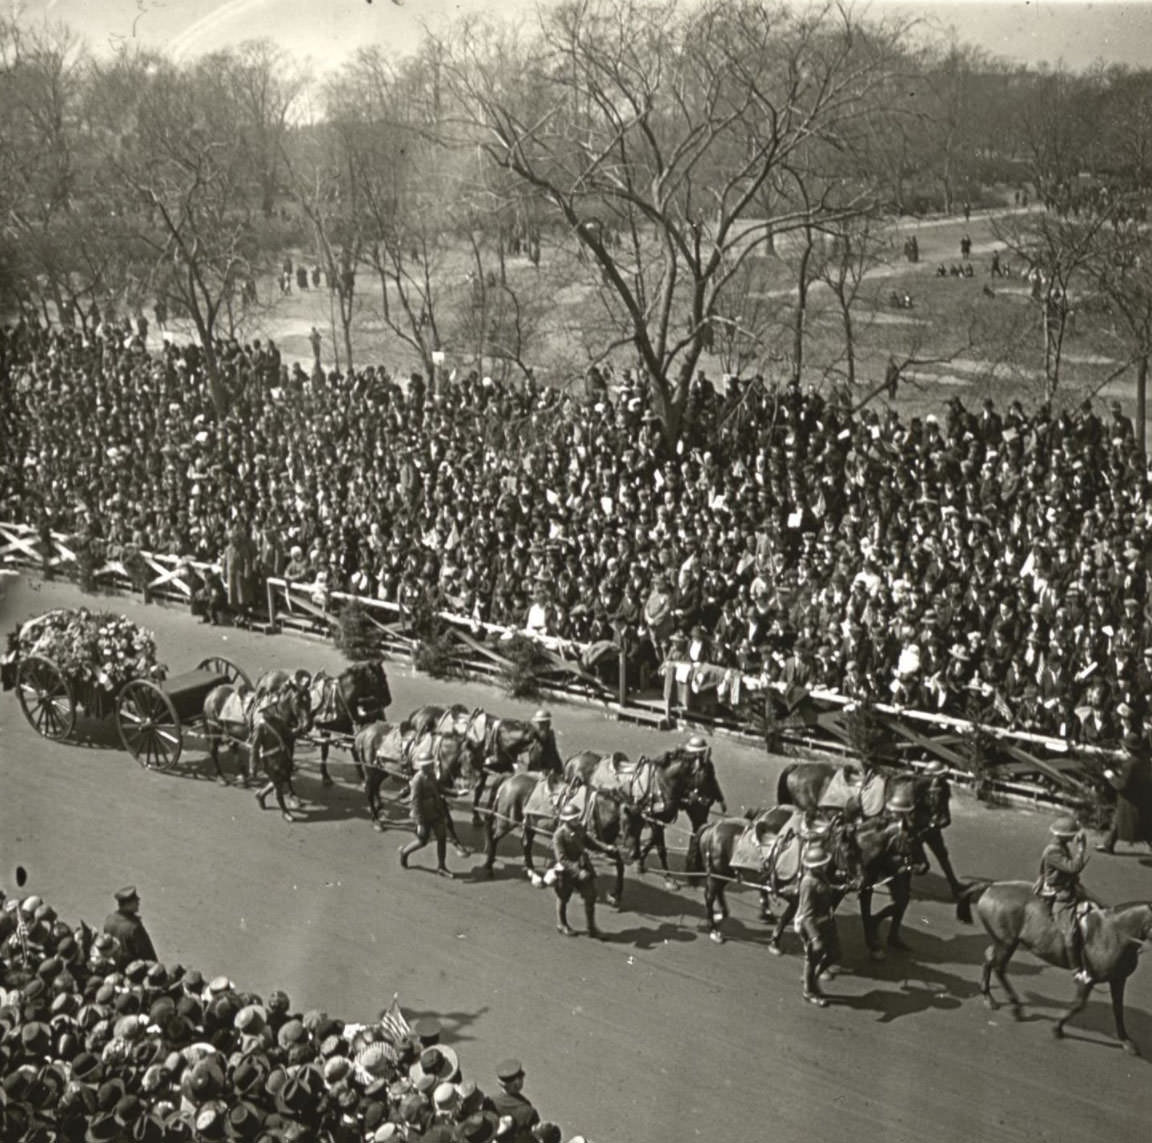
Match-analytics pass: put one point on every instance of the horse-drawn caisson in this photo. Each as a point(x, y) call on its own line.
point(73, 663)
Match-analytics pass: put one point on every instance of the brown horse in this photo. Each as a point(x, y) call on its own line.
point(1013, 915)
point(511, 809)
point(386, 749)
point(343, 703)
point(270, 734)
point(499, 744)
point(864, 855)
point(651, 793)
point(231, 712)
point(805, 785)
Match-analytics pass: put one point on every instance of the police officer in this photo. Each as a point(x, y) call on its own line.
point(544, 754)
point(128, 929)
point(816, 920)
point(512, 1105)
point(573, 869)
point(429, 813)
point(1061, 864)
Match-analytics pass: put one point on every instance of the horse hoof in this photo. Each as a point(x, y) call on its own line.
point(878, 954)
point(671, 883)
point(326, 779)
point(1018, 1015)
point(378, 827)
point(817, 999)
point(221, 781)
point(613, 900)
point(1130, 1047)
point(775, 949)
point(717, 918)
point(991, 1004)
point(288, 816)
point(716, 937)
point(293, 803)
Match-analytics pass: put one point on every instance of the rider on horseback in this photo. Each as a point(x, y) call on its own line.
point(543, 753)
point(1061, 864)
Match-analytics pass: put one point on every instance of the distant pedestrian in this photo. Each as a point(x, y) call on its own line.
point(314, 338)
point(1132, 780)
point(967, 211)
point(128, 929)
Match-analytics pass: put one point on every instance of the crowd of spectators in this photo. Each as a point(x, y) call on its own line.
point(98, 1048)
point(987, 563)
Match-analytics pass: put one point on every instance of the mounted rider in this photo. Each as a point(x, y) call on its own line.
point(543, 753)
point(573, 870)
point(1061, 864)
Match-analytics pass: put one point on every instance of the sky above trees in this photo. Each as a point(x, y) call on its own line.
point(327, 31)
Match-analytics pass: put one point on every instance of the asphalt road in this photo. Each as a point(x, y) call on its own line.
point(656, 1034)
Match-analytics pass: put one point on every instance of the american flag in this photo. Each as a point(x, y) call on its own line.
point(392, 1020)
point(22, 933)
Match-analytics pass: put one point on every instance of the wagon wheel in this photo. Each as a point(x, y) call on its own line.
point(148, 724)
point(46, 697)
point(227, 668)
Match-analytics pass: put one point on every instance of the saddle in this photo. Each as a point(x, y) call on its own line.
point(769, 848)
point(238, 708)
point(549, 794)
point(396, 746)
point(327, 709)
point(613, 774)
point(847, 794)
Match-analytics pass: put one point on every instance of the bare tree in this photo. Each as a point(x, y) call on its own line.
point(653, 132)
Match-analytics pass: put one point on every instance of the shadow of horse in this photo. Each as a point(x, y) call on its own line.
point(1095, 1019)
point(451, 1024)
point(911, 999)
point(646, 938)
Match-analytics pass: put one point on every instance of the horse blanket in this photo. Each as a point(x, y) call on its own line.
point(842, 793)
point(551, 793)
point(395, 747)
point(613, 774)
point(769, 849)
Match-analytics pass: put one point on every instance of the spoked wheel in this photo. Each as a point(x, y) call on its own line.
point(148, 724)
point(46, 697)
point(227, 668)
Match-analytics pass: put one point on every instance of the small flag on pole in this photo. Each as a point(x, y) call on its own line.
point(392, 1021)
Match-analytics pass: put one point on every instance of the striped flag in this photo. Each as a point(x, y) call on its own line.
point(392, 1021)
point(22, 932)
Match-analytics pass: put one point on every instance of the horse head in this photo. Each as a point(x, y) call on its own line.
point(886, 846)
point(294, 706)
point(844, 848)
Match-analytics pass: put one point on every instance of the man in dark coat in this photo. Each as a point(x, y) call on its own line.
point(573, 869)
point(544, 754)
point(816, 921)
point(510, 1103)
point(1132, 780)
point(125, 925)
point(430, 813)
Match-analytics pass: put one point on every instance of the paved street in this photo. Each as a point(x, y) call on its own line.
point(656, 1034)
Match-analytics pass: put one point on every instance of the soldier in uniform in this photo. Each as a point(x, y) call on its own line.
point(430, 814)
point(1061, 864)
point(816, 921)
point(543, 754)
point(573, 869)
point(932, 834)
point(128, 929)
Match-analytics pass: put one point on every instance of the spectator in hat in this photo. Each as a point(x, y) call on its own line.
point(511, 1104)
point(1131, 778)
point(127, 929)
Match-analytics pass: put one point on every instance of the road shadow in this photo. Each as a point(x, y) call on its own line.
point(452, 1024)
point(910, 999)
point(1095, 1019)
point(932, 887)
point(646, 938)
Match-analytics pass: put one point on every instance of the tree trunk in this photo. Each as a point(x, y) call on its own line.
point(801, 308)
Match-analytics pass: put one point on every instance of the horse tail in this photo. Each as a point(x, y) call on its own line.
point(966, 899)
point(783, 793)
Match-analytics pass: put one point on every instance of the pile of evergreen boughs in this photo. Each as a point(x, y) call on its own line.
point(527, 663)
point(979, 749)
point(356, 636)
point(436, 656)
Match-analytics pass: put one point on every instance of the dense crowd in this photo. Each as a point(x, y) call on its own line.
point(102, 1043)
point(989, 564)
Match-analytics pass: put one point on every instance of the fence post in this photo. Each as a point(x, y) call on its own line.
point(271, 597)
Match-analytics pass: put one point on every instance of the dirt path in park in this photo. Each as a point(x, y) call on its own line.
point(656, 1034)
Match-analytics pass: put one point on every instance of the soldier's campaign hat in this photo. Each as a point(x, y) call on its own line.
point(1066, 826)
point(900, 802)
point(815, 856)
point(697, 744)
point(542, 716)
point(126, 895)
point(570, 813)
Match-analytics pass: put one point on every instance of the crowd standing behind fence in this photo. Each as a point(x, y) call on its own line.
point(990, 565)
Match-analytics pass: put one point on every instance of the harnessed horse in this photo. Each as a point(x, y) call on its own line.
point(500, 742)
point(269, 729)
point(384, 749)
